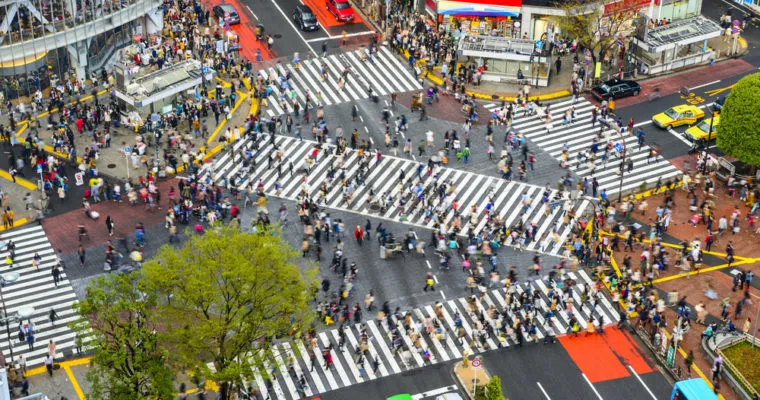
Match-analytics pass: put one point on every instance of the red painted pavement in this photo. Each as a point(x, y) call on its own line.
point(246, 30)
point(606, 357)
point(671, 84)
point(62, 229)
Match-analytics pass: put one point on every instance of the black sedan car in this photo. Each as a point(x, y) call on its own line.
point(305, 19)
point(225, 11)
point(615, 89)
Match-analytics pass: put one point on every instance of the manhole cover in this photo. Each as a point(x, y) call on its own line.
point(277, 36)
point(111, 166)
point(495, 96)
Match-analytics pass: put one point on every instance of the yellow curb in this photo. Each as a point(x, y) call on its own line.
point(243, 96)
point(742, 43)
point(16, 224)
point(247, 83)
point(484, 96)
point(19, 181)
point(254, 107)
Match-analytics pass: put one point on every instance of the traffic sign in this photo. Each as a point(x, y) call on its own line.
point(618, 147)
point(539, 45)
point(205, 69)
point(127, 150)
point(476, 363)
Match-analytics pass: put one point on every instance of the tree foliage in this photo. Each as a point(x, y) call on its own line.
point(490, 391)
point(129, 361)
point(231, 294)
point(739, 129)
point(586, 21)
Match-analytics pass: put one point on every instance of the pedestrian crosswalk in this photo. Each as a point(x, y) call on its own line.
point(35, 291)
point(579, 135)
point(512, 201)
point(384, 73)
point(431, 334)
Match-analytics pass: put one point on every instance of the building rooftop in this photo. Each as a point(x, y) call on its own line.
point(682, 32)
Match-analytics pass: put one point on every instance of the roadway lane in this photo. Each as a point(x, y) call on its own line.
point(413, 382)
point(672, 142)
point(277, 20)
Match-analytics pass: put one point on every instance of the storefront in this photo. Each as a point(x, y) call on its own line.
point(504, 57)
point(477, 17)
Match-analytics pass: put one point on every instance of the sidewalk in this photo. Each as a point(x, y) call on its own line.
point(559, 84)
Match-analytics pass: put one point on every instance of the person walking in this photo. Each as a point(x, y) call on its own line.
point(21, 361)
point(359, 234)
point(429, 282)
point(51, 349)
point(109, 225)
point(49, 365)
point(56, 275)
point(30, 339)
point(53, 317)
point(82, 254)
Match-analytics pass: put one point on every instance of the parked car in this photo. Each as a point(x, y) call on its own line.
point(305, 18)
point(699, 131)
point(222, 10)
point(615, 89)
point(684, 114)
point(341, 10)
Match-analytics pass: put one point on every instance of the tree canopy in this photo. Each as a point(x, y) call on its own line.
point(586, 21)
point(231, 294)
point(739, 128)
point(129, 361)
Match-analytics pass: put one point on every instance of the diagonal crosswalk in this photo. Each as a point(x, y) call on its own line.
point(385, 74)
point(433, 334)
point(579, 135)
point(36, 289)
point(512, 201)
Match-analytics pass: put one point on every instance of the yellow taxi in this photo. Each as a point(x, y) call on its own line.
point(699, 131)
point(684, 114)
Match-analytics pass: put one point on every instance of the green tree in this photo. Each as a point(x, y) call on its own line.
point(738, 132)
point(129, 361)
point(231, 294)
point(490, 391)
point(595, 29)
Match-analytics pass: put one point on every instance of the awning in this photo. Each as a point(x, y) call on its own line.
point(484, 8)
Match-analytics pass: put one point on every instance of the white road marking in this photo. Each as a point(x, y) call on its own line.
point(436, 279)
point(252, 13)
point(435, 392)
point(678, 136)
point(599, 396)
point(340, 36)
point(442, 294)
point(706, 84)
point(642, 383)
point(543, 391)
point(298, 32)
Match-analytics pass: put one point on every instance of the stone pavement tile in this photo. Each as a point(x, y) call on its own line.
point(62, 229)
point(55, 387)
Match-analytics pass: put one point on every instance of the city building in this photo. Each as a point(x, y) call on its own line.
point(44, 42)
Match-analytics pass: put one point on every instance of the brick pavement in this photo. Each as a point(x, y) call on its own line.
point(62, 229)
point(672, 83)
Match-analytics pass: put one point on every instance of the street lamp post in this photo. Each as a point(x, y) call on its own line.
point(9, 277)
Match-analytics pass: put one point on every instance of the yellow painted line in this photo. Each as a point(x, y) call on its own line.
point(74, 383)
point(678, 246)
point(218, 129)
point(19, 181)
point(254, 106)
point(247, 83)
point(16, 224)
point(742, 43)
point(225, 84)
point(701, 271)
point(22, 129)
point(615, 266)
point(85, 98)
